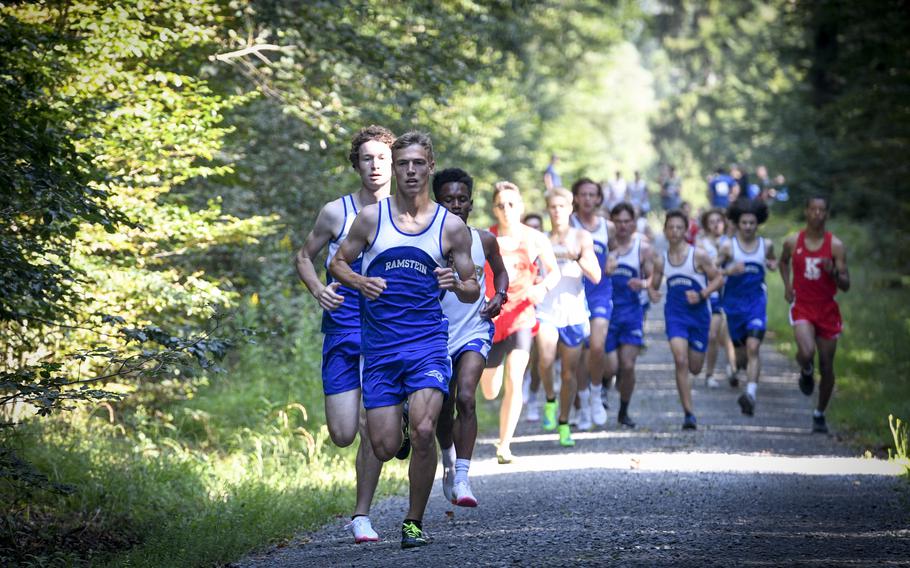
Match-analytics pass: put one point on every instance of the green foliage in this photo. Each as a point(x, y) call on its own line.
point(247, 460)
point(900, 431)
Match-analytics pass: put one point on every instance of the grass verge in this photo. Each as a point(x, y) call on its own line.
point(872, 362)
point(244, 463)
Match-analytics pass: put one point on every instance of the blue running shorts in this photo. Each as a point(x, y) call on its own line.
point(340, 362)
point(388, 379)
point(628, 332)
point(478, 345)
point(695, 332)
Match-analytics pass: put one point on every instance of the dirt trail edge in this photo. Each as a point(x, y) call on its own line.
point(741, 490)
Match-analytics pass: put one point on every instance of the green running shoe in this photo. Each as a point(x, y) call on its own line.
point(565, 436)
point(549, 416)
point(413, 536)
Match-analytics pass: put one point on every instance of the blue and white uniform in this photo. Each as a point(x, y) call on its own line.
point(467, 330)
point(628, 316)
point(405, 332)
point(719, 189)
point(599, 296)
point(745, 295)
point(564, 306)
point(688, 321)
point(341, 326)
point(713, 251)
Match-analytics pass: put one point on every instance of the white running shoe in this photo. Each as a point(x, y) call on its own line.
point(463, 496)
point(584, 418)
point(448, 482)
point(362, 530)
point(711, 383)
point(533, 414)
point(598, 412)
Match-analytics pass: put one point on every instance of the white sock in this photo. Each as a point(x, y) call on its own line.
point(448, 456)
point(461, 470)
point(751, 388)
point(817, 413)
point(585, 396)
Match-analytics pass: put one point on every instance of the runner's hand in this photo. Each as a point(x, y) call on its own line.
point(829, 266)
point(693, 297)
point(610, 265)
point(736, 268)
point(372, 287)
point(492, 308)
point(446, 278)
point(636, 284)
point(789, 295)
point(329, 298)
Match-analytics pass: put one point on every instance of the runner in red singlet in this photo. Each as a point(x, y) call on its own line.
point(519, 246)
point(819, 269)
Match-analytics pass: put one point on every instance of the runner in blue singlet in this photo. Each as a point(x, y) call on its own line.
point(691, 279)
point(626, 335)
point(406, 241)
point(745, 258)
point(371, 156)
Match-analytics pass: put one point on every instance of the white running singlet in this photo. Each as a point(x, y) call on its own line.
point(465, 322)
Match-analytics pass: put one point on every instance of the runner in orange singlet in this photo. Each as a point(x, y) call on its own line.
point(519, 246)
point(819, 269)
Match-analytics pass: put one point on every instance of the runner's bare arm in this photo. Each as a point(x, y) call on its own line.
point(358, 238)
point(786, 254)
point(329, 218)
point(841, 274)
point(456, 243)
point(715, 278)
point(587, 260)
point(656, 276)
point(646, 257)
point(548, 260)
point(500, 275)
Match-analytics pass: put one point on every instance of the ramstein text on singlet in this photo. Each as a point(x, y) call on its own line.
point(406, 263)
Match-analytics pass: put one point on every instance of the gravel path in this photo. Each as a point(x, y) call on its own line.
point(741, 490)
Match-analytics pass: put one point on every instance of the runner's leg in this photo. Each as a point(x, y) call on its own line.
point(470, 366)
point(384, 428)
point(679, 346)
point(424, 406)
point(826, 351)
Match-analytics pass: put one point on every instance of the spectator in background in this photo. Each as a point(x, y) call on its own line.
point(639, 196)
point(765, 185)
point(670, 191)
point(781, 193)
point(742, 182)
point(552, 179)
point(720, 187)
point(616, 191)
point(641, 200)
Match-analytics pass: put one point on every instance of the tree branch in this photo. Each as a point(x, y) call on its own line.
point(253, 49)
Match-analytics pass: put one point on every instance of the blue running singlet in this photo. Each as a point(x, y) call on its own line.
point(688, 321)
point(346, 317)
point(745, 295)
point(407, 316)
point(599, 296)
point(626, 326)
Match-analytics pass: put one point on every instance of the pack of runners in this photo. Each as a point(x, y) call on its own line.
point(420, 308)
